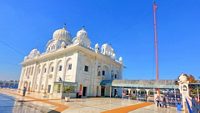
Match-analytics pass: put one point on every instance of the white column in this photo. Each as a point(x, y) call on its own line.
point(33, 79)
point(95, 84)
point(40, 77)
point(198, 91)
point(147, 91)
point(55, 74)
point(64, 69)
point(93, 77)
point(56, 70)
point(76, 66)
point(137, 93)
point(121, 70)
point(110, 91)
point(129, 91)
point(47, 77)
point(21, 78)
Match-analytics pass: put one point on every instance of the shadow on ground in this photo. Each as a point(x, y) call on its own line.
point(53, 111)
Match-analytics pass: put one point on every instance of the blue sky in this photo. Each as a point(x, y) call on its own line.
point(126, 24)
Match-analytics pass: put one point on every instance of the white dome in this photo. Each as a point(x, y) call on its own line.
point(63, 44)
point(82, 38)
point(113, 56)
point(33, 53)
point(61, 34)
point(105, 45)
point(183, 78)
point(96, 47)
point(106, 49)
point(81, 33)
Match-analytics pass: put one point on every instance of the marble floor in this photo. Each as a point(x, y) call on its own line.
point(33, 103)
point(154, 109)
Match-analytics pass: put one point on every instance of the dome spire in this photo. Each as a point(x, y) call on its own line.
point(83, 27)
point(64, 26)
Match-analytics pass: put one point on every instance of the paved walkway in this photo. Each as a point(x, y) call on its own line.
point(128, 108)
point(90, 105)
point(97, 105)
point(154, 109)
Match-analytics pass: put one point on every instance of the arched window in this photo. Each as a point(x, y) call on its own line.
point(103, 73)
point(70, 67)
point(52, 68)
point(53, 46)
point(60, 68)
point(32, 70)
point(45, 70)
point(86, 68)
point(115, 76)
point(99, 73)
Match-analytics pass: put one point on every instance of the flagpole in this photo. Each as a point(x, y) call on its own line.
point(155, 39)
point(156, 42)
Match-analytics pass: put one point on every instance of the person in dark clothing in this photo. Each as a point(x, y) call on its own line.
point(80, 94)
point(24, 91)
point(164, 102)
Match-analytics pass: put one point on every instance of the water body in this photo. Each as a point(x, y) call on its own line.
point(9, 104)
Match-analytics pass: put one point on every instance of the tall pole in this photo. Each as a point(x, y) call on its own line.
point(155, 39)
point(198, 92)
point(156, 42)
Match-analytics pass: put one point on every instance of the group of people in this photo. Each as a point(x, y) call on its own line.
point(161, 101)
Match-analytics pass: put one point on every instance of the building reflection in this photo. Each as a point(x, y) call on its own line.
point(27, 107)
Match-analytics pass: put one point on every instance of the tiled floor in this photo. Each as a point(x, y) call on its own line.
point(96, 105)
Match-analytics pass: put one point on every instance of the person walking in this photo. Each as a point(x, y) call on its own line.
point(164, 102)
point(24, 91)
point(157, 100)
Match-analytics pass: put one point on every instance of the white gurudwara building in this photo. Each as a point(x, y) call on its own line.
point(71, 62)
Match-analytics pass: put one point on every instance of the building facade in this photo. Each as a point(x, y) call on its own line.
point(70, 61)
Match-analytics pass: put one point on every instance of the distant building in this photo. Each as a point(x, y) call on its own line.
point(9, 84)
point(70, 62)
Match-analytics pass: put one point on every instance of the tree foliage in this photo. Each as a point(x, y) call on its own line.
point(68, 89)
point(191, 79)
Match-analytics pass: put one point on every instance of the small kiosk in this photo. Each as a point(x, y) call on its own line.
point(60, 89)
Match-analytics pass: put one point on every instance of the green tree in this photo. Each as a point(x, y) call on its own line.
point(68, 89)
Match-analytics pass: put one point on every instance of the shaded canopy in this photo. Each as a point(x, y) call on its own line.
point(169, 84)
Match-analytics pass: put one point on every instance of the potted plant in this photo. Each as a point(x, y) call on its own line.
point(68, 90)
point(44, 94)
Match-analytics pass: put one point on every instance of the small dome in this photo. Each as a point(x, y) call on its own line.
point(97, 46)
point(183, 78)
point(81, 33)
point(120, 59)
point(33, 53)
point(113, 56)
point(82, 38)
point(106, 49)
point(63, 44)
point(25, 58)
point(61, 34)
